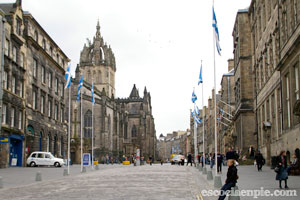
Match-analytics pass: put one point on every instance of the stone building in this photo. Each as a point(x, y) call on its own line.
point(33, 89)
point(120, 125)
point(244, 116)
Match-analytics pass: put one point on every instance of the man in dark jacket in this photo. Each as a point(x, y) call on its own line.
point(189, 160)
point(230, 180)
point(259, 160)
point(219, 162)
point(230, 154)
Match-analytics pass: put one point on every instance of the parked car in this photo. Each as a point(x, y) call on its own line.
point(176, 159)
point(44, 158)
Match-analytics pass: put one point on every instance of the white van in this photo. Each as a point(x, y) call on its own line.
point(44, 158)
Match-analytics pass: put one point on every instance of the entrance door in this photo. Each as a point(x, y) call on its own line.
point(15, 152)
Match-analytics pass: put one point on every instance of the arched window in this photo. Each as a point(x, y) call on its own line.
point(88, 124)
point(133, 131)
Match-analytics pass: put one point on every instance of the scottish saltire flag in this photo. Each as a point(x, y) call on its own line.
point(196, 110)
point(79, 87)
point(194, 97)
point(222, 111)
point(200, 76)
point(198, 120)
point(216, 32)
point(68, 77)
point(92, 91)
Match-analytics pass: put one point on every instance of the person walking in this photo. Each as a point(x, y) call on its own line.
point(281, 169)
point(219, 162)
point(212, 161)
point(150, 160)
point(189, 160)
point(259, 160)
point(231, 179)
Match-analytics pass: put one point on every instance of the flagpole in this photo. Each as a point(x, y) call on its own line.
point(93, 129)
point(69, 130)
point(81, 128)
point(195, 137)
point(203, 123)
point(215, 101)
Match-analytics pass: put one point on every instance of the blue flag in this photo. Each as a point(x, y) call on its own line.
point(216, 32)
point(194, 97)
point(196, 109)
point(92, 91)
point(79, 87)
point(200, 76)
point(68, 77)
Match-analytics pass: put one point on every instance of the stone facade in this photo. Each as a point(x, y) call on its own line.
point(33, 89)
point(120, 125)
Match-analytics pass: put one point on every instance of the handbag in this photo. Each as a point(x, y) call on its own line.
point(277, 169)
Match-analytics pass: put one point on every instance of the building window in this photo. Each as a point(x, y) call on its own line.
point(50, 80)
point(88, 124)
point(44, 44)
point(34, 68)
point(133, 131)
point(20, 119)
point(18, 26)
point(57, 58)
point(51, 51)
point(288, 100)
point(22, 60)
point(21, 88)
point(36, 36)
point(42, 104)
point(5, 80)
point(62, 90)
point(12, 115)
point(14, 54)
point(49, 108)
point(63, 63)
point(61, 114)
point(296, 71)
point(56, 85)
point(4, 110)
point(56, 112)
point(13, 84)
point(43, 74)
point(34, 99)
point(6, 51)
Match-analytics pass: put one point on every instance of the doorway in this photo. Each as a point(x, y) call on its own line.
point(15, 151)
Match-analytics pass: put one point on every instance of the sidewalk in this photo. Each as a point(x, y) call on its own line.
point(251, 179)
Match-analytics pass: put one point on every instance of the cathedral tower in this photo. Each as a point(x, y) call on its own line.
point(97, 64)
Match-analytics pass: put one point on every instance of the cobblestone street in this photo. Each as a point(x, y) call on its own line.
point(129, 182)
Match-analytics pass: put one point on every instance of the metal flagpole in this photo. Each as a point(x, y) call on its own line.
point(215, 101)
point(203, 123)
point(93, 130)
point(195, 136)
point(81, 128)
point(69, 131)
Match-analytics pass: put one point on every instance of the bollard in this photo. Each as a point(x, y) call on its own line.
point(217, 181)
point(200, 168)
point(204, 170)
point(209, 175)
point(83, 170)
point(1, 182)
point(232, 195)
point(66, 172)
point(38, 176)
point(97, 167)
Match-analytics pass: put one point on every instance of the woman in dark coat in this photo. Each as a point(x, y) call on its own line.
point(230, 180)
point(282, 165)
point(259, 160)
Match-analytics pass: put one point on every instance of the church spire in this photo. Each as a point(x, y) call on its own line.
point(98, 29)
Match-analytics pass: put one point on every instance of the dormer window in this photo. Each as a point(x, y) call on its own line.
point(44, 44)
point(18, 28)
point(57, 58)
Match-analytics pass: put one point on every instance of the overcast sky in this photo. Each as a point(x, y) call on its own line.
point(158, 44)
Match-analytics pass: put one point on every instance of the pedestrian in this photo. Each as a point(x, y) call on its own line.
point(281, 169)
point(219, 162)
point(189, 160)
point(259, 161)
point(161, 162)
point(294, 164)
point(212, 160)
point(230, 154)
point(150, 160)
point(231, 179)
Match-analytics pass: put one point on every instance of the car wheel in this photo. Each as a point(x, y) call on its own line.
point(56, 164)
point(32, 164)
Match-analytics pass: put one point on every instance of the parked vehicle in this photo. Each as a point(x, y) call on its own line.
point(44, 158)
point(176, 159)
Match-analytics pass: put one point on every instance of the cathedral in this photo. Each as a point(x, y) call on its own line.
point(121, 125)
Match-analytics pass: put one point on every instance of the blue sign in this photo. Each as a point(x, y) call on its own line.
point(86, 158)
point(4, 140)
